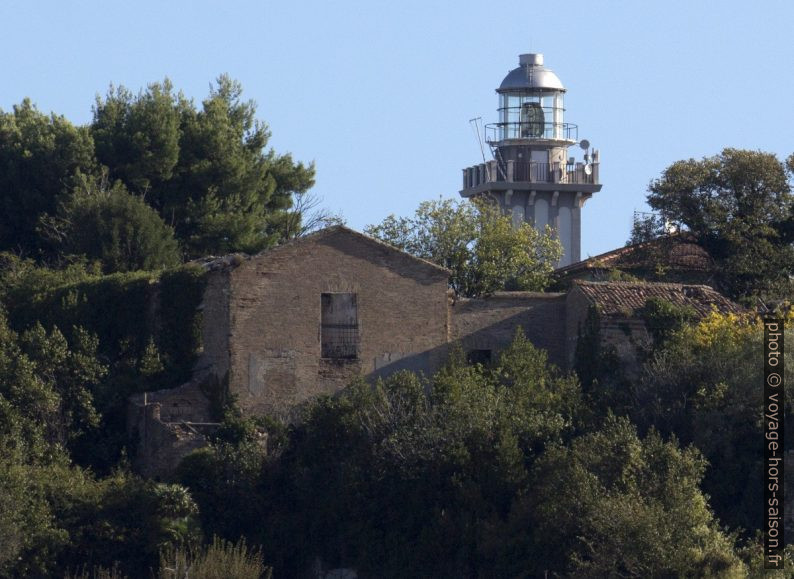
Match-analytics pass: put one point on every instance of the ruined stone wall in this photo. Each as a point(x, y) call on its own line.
point(577, 307)
point(275, 312)
point(161, 444)
point(629, 337)
point(625, 333)
point(489, 324)
point(214, 357)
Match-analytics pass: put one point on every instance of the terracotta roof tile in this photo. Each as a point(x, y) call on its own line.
point(675, 251)
point(625, 298)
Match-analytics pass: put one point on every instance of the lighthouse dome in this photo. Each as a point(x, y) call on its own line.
point(531, 74)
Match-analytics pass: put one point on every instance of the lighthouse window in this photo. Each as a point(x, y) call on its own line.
point(541, 214)
point(564, 219)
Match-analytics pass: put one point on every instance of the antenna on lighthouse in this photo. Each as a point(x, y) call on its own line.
point(588, 159)
point(534, 172)
point(476, 122)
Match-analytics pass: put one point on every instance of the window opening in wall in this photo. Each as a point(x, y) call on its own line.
point(339, 326)
point(479, 357)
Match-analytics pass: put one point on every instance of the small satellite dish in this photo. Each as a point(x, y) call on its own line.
point(588, 169)
point(585, 144)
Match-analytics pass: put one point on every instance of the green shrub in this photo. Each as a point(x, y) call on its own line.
point(119, 309)
point(218, 560)
point(663, 318)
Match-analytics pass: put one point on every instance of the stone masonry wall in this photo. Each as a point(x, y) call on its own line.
point(214, 357)
point(490, 323)
point(275, 313)
point(161, 444)
point(625, 334)
point(577, 307)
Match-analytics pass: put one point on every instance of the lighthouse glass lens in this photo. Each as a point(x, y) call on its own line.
point(531, 114)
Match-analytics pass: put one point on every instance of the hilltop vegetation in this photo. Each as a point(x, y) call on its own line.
point(514, 468)
point(511, 468)
point(153, 178)
point(739, 207)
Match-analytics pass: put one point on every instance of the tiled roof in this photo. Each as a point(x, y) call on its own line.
point(674, 251)
point(625, 298)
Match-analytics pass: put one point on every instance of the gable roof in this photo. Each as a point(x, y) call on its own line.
point(231, 261)
point(623, 298)
point(678, 251)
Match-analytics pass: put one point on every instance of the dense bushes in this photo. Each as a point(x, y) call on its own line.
point(705, 385)
point(62, 518)
point(505, 469)
point(124, 310)
point(477, 471)
point(143, 330)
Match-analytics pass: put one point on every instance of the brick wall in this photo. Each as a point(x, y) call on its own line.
point(577, 307)
point(275, 317)
point(490, 323)
point(215, 325)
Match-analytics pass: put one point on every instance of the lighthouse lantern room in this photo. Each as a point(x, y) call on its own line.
point(531, 174)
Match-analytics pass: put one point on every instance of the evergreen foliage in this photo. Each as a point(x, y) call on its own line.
point(153, 176)
point(40, 159)
point(205, 170)
point(139, 347)
point(702, 386)
point(174, 324)
point(109, 225)
point(477, 471)
point(738, 205)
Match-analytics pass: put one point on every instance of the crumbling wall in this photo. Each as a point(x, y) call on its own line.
point(167, 425)
point(628, 337)
point(577, 307)
point(162, 444)
point(214, 356)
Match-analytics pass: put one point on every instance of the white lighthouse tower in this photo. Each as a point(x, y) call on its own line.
point(532, 176)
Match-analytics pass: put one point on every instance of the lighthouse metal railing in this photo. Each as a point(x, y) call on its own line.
point(530, 172)
point(531, 130)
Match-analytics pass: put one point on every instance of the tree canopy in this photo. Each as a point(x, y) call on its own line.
point(479, 245)
point(476, 471)
point(109, 225)
point(206, 172)
point(701, 386)
point(40, 158)
point(738, 205)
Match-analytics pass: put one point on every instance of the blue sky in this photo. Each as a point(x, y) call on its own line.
point(379, 94)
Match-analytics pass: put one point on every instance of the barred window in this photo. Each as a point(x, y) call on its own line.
point(339, 326)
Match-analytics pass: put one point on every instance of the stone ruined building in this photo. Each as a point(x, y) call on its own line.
point(305, 318)
point(619, 306)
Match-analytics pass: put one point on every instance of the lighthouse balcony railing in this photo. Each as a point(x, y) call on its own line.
point(540, 130)
point(530, 172)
